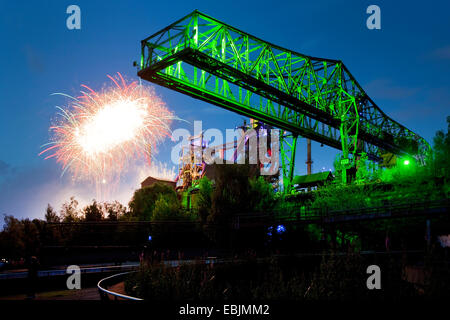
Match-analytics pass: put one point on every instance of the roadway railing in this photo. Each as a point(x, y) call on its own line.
point(62, 272)
point(303, 213)
point(103, 285)
point(297, 213)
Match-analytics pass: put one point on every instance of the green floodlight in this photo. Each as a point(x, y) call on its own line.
point(406, 162)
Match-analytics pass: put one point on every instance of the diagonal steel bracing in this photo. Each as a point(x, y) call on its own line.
point(311, 97)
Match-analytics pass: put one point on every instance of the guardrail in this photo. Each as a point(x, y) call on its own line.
point(302, 213)
point(298, 213)
point(62, 272)
point(102, 286)
point(387, 211)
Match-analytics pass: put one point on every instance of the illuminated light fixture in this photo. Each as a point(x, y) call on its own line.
point(269, 231)
point(281, 229)
point(406, 162)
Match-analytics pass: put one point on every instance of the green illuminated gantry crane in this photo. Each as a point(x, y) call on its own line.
point(304, 96)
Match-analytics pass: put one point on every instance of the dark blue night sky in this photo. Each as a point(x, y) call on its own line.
point(404, 67)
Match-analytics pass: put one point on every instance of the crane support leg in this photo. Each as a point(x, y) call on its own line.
point(288, 146)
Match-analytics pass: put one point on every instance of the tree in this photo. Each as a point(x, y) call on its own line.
point(166, 208)
point(115, 210)
point(202, 203)
point(31, 236)
point(144, 199)
point(441, 150)
point(50, 214)
point(362, 174)
point(261, 195)
point(337, 167)
point(230, 195)
point(69, 211)
point(20, 237)
point(93, 212)
point(11, 238)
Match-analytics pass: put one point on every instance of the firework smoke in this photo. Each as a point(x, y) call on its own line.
point(158, 170)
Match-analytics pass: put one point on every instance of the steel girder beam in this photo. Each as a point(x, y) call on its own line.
point(312, 97)
point(288, 146)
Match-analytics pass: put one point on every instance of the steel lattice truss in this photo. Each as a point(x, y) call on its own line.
point(310, 97)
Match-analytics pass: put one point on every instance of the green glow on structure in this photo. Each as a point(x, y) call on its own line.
point(303, 96)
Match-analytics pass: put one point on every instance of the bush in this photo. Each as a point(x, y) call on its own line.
point(339, 197)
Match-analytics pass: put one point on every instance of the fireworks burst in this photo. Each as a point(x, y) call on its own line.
point(99, 133)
